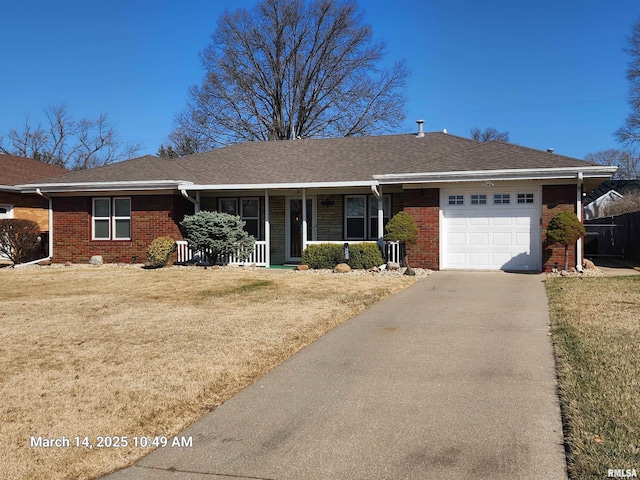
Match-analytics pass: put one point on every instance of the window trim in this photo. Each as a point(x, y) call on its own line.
point(458, 200)
point(94, 217)
point(120, 217)
point(111, 219)
point(371, 216)
point(499, 198)
point(240, 210)
point(363, 217)
point(526, 196)
point(481, 199)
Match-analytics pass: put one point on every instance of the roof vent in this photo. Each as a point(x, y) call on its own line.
point(420, 133)
point(549, 150)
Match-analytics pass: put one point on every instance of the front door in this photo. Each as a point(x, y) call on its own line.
point(294, 227)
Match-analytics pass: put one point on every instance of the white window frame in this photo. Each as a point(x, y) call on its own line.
point(387, 215)
point(528, 198)
point(111, 218)
point(244, 217)
point(502, 199)
point(363, 217)
point(480, 199)
point(120, 217)
point(94, 217)
point(239, 209)
point(455, 200)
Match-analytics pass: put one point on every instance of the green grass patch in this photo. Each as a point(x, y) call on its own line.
point(596, 334)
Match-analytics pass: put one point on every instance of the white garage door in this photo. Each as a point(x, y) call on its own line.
point(496, 230)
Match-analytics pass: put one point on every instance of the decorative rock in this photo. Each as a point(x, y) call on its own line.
point(564, 273)
point(68, 264)
point(588, 264)
point(44, 263)
point(342, 268)
point(302, 267)
point(410, 271)
point(393, 266)
point(96, 260)
point(572, 270)
point(374, 270)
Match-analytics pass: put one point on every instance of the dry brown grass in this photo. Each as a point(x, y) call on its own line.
point(596, 333)
point(125, 351)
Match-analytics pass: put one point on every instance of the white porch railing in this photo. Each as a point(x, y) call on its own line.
point(391, 252)
point(258, 256)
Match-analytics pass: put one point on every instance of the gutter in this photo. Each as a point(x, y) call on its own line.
point(595, 171)
point(102, 186)
point(195, 201)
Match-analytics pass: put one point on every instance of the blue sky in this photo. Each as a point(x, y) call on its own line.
point(551, 73)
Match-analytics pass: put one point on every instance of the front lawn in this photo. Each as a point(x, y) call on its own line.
point(596, 334)
point(108, 351)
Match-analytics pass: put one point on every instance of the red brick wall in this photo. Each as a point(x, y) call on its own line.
point(151, 216)
point(555, 199)
point(424, 207)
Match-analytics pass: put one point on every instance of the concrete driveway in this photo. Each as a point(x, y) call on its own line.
point(451, 378)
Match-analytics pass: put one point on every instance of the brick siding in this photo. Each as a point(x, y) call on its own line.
point(424, 206)
point(555, 199)
point(152, 216)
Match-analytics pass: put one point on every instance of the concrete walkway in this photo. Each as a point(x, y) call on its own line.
point(451, 378)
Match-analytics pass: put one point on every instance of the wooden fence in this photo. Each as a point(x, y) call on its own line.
point(617, 236)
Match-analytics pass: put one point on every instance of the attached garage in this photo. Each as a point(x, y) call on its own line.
point(491, 229)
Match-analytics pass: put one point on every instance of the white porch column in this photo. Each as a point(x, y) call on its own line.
point(304, 219)
point(579, 214)
point(267, 230)
point(380, 216)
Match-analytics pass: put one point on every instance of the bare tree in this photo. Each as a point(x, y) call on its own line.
point(68, 143)
point(488, 135)
point(629, 133)
point(627, 161)
point(629, 203)
point(292, 69)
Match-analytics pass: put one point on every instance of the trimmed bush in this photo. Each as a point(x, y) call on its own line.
point(328, 255)
point(19, 239)
point(159, 252)
point(217, 235)
point(323, 255)
point(365, 255)
point(565, 229)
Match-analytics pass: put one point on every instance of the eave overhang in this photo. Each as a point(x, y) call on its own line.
point(279, 186)
point(507, 174)
point(144, 185)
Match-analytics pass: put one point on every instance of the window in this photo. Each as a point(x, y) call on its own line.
point(362, 210)
point(250, 214)
point(501, 199)
point(478, 199)
point(525, 198)
point(356, 216)
point(456, 199)
point(247, 208)
point(111, 219)
point(373, 214)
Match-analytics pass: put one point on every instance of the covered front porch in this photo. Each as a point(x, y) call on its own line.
point(286, 219)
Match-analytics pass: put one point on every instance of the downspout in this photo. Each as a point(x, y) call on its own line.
point(39, 192)
point(195, 201)
point(579, 214)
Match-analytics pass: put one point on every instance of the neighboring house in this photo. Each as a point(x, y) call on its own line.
point(598, 199)
point(31, 206)
point(477, 205)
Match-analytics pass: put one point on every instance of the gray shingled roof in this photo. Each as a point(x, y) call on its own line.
point(327, 160)
point(17, 170)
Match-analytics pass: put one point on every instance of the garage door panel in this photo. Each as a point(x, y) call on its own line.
point(503, 236)
point(478, 239)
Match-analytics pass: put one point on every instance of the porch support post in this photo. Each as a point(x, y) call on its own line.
point(304, 219)
point(196, 207)
point(267, 230)
point(377, 192)
point(579, 214)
